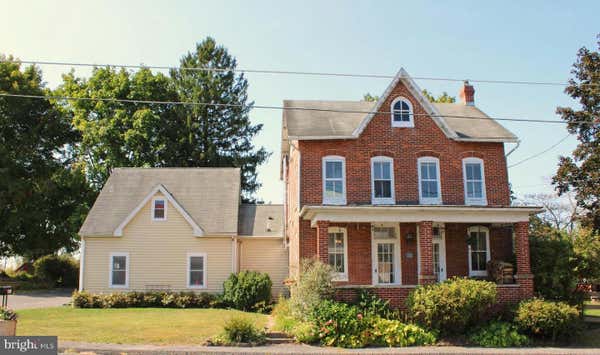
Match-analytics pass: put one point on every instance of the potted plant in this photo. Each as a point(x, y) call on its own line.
point(8, 322)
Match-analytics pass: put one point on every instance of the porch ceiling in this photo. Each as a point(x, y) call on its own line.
point(417, 213)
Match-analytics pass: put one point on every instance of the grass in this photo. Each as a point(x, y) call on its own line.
point(159, 326)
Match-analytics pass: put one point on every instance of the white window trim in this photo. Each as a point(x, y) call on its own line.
point(398, 253)
point(386, 200)
point(189, 264)
point(338, 201)
point(339, 276)
point(110, 269)
point(488, 256)
point(411, 122)
point(429, 200)
point(474, 201)
point(165, 201)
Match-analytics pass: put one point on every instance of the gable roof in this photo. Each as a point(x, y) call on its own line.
point(209, 196)
point(319, 119)
point(261, 220)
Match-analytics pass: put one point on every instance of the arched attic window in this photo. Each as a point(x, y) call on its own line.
point(402, 113)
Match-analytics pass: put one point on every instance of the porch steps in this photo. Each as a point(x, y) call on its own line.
point(278, 338)
point(592, 306)
point(590, 319)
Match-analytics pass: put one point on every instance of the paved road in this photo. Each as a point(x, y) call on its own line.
point(39, 299)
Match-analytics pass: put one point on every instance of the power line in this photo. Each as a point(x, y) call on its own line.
point(540, 153)
point(266, 107)
point(287, 72)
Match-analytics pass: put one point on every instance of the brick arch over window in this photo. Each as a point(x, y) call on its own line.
point(427, 153)
point(472, 154)
point(381, 153)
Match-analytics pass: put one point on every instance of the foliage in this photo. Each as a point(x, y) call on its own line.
point(370, 98)
point(443, 98)
point(498, 335)
point(305, 332)
point(7, 314)
point(85, 299)
point(247, 290)
point(121, 134)
point(451, 306)
point(547, 319)
point(371, 305)
point(312, 287)
point(580, 172)
point(240, 330)
point(394, 333)
point(341, 324)
point(586, 247)
point(44, 196)
point(58, 270)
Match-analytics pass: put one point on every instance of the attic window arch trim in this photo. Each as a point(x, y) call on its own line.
point(197, 231)
point(402, 111)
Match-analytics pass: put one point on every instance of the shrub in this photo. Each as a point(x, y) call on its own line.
point(313, 286)
point(394, 333)
point(58, 270)
point(546, 319)
point(246, 289)
point(7, 314)
point(116, 300)
point(305, 332)
point(371, 305)
point(84, 299)
point(241, 330)
point(341, 325)
point(498, 335)
point(22, 276)
point(144, 299)
point(451, 306)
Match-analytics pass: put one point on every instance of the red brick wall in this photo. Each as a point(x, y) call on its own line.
point(405, 145)
point(409, 265)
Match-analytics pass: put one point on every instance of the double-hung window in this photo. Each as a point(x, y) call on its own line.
point(119, 270)
point(479, 250)
point(196, 273)
point(474, 177)
point(382, 181)
point(334, 180)
point(337, 249)
point(429, 181)
point(159, 209)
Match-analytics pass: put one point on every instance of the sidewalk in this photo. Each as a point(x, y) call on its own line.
point(118, 349)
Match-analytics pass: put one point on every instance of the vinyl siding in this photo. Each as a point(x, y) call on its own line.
point(157, 254)
point(266, 255)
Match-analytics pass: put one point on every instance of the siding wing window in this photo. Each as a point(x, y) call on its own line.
point(197, 270)
point(159, 209)
point(119, 270)
point(338, 252)
point(474, 181)
point(479, 250)
point(382, 184)
point(429, 180)
point(334, 181)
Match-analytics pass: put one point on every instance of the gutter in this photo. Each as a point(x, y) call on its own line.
point(515, 148)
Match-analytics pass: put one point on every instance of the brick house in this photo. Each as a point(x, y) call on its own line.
point(401, 192)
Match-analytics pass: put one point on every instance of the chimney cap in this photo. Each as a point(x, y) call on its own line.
point(467, 94)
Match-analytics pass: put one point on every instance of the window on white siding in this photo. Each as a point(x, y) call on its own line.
point(119, 270)
point(402, 113)
point(337, 249)
point(334, 180)
point(159, 209)
point(429, 180)
point(479, 250)
point(382, 180)
point(474, 177)
point(196, 270)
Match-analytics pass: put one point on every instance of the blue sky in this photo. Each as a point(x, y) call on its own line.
point(509, 40)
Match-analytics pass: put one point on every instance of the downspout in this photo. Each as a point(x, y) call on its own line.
point(285, 206)
point(81, 264)
point(512, 150)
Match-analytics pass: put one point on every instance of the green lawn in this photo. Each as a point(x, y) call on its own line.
point(160, 326)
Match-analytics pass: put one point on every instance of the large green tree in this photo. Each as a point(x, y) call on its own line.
point(581, 171)
point(214, 131)
point(42, 195)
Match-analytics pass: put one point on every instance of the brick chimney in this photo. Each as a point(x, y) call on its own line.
point(467, 94)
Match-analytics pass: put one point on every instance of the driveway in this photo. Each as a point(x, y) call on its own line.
point(39, 299)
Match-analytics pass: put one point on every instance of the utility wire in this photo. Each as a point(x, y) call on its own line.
point(287, 72)
point(266, 107)
point(540, 153)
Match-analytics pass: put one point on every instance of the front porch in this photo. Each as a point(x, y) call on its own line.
point(391, 250)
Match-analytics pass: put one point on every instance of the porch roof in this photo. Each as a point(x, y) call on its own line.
point(417, 213)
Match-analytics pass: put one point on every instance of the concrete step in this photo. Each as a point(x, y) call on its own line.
point(590, 319)
point(592, 306)
point(278, 338)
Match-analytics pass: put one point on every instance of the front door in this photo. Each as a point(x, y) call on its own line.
point(439, 253)
point(386, 254)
